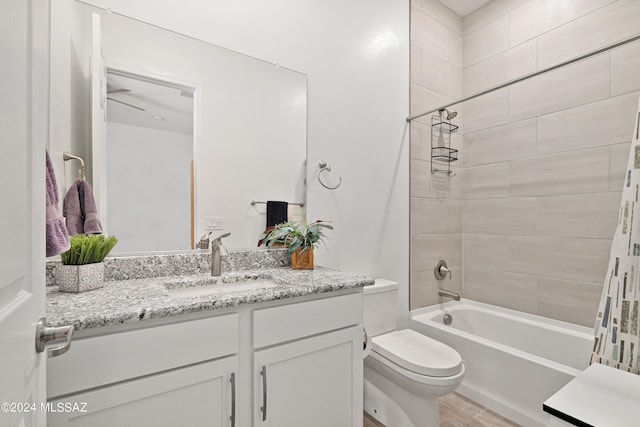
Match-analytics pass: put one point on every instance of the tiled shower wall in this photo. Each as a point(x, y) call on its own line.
point(436, 202)
point(543, 161)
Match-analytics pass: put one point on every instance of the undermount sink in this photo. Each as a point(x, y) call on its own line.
point(198, 289)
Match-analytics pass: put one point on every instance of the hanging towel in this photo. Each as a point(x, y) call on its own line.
point(57, 239)
point(88, 208)
point(72, 211)
point(276, 213)
point(80, 209)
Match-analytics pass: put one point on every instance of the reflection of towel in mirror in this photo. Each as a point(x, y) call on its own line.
point(57, 239)
point(80, 209)
point(277, 213)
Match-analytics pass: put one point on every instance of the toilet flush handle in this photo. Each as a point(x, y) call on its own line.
point(441, 270)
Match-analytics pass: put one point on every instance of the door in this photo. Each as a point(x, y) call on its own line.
point(198, 395)
point(313, 382)
point(24, 112)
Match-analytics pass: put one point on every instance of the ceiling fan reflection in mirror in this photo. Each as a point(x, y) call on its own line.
point(112, 91)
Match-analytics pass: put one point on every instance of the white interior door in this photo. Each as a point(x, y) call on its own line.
point(24, 111)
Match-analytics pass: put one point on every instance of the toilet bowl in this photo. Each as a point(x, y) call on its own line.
point(404, 371)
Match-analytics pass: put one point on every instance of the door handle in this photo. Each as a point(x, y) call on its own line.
point(263, 408)
point(233, 400)
point(44, 334)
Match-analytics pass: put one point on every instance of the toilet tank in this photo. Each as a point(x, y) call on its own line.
point(380, 308)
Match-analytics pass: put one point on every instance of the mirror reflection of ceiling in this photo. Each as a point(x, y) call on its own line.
point(148, 104)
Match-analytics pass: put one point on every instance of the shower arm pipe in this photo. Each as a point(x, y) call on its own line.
point(530, 75)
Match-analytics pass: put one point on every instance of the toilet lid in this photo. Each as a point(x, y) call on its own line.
point(418, 353)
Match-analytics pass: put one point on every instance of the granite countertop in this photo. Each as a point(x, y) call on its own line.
point(129, 301)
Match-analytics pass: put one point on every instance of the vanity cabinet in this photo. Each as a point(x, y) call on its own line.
point(289, 363)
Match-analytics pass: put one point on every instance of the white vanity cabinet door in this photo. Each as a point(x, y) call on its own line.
point(198, 395)
point(312, 382)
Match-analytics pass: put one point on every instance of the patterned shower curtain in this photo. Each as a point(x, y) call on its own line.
point(617, 330)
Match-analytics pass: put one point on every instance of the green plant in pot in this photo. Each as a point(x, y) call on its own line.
point(299, 237)
point(82, 266)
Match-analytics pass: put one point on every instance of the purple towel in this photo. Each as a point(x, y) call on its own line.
point(80, 209)
point(89, 211)
point(57, 238)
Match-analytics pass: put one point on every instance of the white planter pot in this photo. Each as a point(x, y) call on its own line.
point(79, 278)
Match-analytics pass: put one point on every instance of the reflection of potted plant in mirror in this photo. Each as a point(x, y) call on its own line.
point(300, 238)
point(82, 268)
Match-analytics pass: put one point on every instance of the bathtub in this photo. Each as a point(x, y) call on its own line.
point(514, 360)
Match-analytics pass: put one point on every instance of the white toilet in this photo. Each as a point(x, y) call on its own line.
point(404, 371)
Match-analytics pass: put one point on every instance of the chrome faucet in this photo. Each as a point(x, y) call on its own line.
point(217, 252)
point(449, 294)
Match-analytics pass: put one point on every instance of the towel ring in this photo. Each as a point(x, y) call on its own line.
point(325, 167)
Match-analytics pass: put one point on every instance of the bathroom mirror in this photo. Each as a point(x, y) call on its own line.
point(249, 128)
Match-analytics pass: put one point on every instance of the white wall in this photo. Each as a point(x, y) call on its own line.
point(148, 188)
point(355, 54)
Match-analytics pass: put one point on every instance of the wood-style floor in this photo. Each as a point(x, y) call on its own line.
point(458, 411)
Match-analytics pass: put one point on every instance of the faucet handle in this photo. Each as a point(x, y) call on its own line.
point(203, 243)
point(441, 269)
point(220, 237)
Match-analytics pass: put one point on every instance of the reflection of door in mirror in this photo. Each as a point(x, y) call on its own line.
point(149, 155)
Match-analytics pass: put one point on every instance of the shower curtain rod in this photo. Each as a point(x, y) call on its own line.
point(530, 75)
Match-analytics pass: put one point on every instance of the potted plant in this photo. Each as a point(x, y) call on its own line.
point(82, 268)
point(299, 237)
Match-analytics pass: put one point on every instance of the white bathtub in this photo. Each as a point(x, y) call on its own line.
point(514, 360)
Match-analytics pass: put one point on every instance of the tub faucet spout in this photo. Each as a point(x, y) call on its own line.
point(449, 294)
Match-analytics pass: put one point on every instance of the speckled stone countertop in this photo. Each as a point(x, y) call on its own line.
point(136, 300)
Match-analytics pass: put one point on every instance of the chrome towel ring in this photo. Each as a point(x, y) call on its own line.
point(325, 167)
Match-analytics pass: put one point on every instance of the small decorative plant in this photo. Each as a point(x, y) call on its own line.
point(82, 268)
point(299, 237)
point(88, 249)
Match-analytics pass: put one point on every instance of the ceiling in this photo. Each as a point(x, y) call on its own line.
point(464, 7)
point(165, 108)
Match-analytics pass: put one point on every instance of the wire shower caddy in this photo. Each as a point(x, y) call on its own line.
point(441, 152)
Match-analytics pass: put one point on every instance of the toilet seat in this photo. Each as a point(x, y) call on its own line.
point(418, 353)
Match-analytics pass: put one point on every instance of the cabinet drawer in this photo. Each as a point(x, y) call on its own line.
point(97, 361)
point(293, 321)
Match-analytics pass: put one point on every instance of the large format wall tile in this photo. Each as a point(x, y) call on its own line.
point(592, 215)
point(438, 216)
point(591, 125)
point(505, 66)
point(540, 16)
point(486, 111)
point(583, 171)
point(567, 87)
point(511, 290)
point(486, 251)
point(441, 13)
point(569, 301)
point(425, 184)
point(440, 76)
point(489, 12)
point(619, 155)
point(486, 41)
point(512, 216)
point(583, 260)
point(486, 181)
point(625, 63)
point(427, 249)
point(605, 26)
point(500, 143)
point(429, 34)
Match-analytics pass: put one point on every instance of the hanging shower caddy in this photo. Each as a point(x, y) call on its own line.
point(441, 152)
